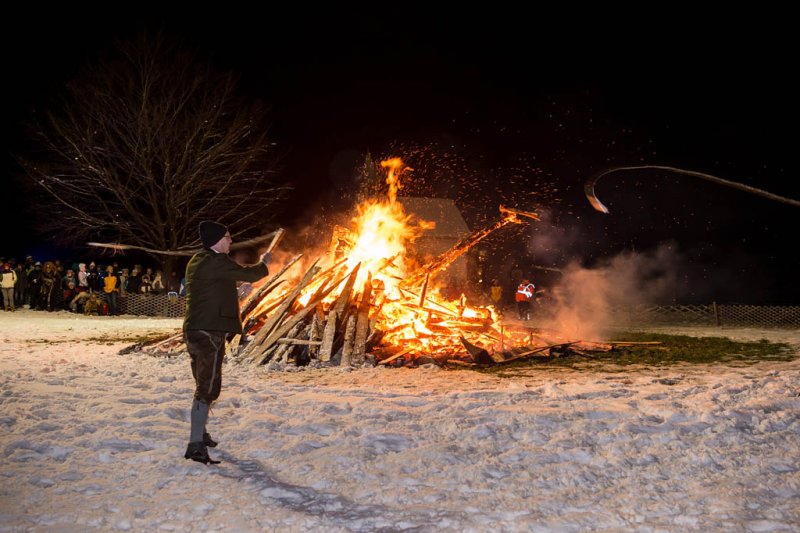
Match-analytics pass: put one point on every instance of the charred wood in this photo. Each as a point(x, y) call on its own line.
point(273, 321)
point(349, 338)
point(326, 348)
point(362, 324)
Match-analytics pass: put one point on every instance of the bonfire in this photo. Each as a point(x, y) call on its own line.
point(366, 302)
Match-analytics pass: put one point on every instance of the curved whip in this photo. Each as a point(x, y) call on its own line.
point(275, 236)
point(588, 187)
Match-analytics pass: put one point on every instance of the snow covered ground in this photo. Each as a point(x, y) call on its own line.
point(91, 440)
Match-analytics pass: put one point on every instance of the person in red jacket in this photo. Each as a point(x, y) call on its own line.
point(523, 297)
point(212, 313)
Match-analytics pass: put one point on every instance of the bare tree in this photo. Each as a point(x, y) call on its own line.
point(147, 144)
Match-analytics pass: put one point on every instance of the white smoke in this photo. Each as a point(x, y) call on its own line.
point(581, 305)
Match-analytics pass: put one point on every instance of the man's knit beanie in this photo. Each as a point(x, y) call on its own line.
point(211, 232)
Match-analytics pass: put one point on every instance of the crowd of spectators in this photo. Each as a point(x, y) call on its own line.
point(79, 287)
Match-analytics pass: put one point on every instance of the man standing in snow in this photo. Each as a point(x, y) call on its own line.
point(212, 313)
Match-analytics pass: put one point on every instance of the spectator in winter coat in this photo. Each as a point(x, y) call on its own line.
point(48, 285)
point(93, 277)
point(158, 284)
point(68, 278)
point(110, 289)
point(70, 291)
point(147, 281)
point(123, 281)
point(83, 278)
point(21, 288)
point(8, 279)
point(35, 284)
point(135, 280)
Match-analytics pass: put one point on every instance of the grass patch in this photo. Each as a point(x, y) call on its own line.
point(674, 349)
point(686, 349)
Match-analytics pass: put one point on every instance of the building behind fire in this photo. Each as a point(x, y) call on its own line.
point(449, 230)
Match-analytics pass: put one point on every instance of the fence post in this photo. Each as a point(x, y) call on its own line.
point(716, 313)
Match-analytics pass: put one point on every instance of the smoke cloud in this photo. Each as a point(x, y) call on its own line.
point(582, 304)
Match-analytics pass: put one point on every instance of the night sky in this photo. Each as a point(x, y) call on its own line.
point(496, 107)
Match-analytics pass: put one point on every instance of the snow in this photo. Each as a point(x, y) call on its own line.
point(92, 440)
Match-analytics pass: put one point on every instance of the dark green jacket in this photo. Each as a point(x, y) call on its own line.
point(211, 299)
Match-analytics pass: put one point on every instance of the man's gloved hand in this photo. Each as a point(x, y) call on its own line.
point(266, 258)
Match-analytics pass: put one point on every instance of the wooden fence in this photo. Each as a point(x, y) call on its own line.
point(166, 305)
point(695, 315)
point(710, 315)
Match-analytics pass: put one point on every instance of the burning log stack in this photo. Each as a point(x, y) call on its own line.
point(341, 317)
point(347, 315)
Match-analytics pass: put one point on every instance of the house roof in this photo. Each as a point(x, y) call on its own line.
point(442, 211)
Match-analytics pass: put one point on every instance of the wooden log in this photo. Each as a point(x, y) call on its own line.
point(326, 276)
point(582, 353)
point(429, 310)
point(298, 342)
point(343, 301)
point(362, 324)
point(302, 354)
point(182, 250)
point(261, 351)
point(446, 258)
point(424, 290)
point(274, 320)
point(281, 331)
point(315, 335)
point(528, 353)
point(459, 362)
point(344, 307)
point(393, 357)
point(478, 354)
point(276, 354)
point(433, 305)
point(630, 343)
point(172, 339)
point(255, 298)
point(374, 339)
point(258, 313)
point(269, 353)
point(398, 328)
point(349, 338)
point(276, 239)
point(233, 346)
point(284, 356)
point(376, 312)
point(327, 337)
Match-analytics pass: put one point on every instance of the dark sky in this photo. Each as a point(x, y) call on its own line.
point(496, 107)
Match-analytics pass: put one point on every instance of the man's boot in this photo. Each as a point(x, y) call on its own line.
point(197, 451)
point(208, 441)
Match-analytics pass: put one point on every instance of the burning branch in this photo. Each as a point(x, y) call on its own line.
point(511, 216)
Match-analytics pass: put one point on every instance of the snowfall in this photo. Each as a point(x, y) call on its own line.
point(93, 440)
